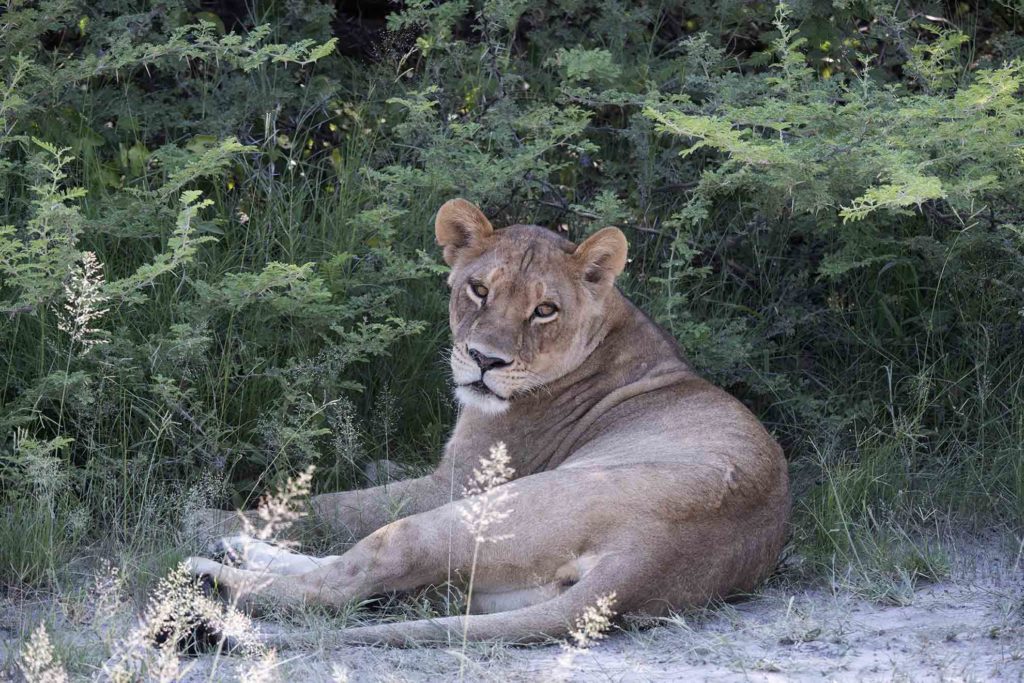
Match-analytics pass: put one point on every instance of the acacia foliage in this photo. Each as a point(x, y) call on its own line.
point(822, 202)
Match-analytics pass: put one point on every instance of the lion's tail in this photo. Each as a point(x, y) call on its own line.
point(548, 620)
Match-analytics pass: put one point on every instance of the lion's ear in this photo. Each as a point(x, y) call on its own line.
point(459, 225)
point(602, 256)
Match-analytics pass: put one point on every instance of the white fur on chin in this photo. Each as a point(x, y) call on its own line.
point(486, 403)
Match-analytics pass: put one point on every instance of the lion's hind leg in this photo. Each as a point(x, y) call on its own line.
point(611, 583)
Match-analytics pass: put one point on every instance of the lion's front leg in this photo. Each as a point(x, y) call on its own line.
point(385, 560)
point(343, 517)
point(245, 552)
point(248, 589)
point(378, 561)
point(350, 516)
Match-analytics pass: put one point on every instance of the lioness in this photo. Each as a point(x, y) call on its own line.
point(633, 475)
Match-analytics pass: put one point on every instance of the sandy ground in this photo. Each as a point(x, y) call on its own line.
point(967, 628)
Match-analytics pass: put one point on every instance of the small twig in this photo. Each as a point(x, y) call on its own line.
point(569, 209)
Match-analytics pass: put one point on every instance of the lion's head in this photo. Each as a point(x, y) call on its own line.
point(527, 306)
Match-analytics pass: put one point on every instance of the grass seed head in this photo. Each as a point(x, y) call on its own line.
point(39, 663)
point(83, 303)
point(487, 502)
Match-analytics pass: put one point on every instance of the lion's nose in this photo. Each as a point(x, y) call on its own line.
point(487, 362)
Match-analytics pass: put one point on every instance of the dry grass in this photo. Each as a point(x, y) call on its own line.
point(179, 619)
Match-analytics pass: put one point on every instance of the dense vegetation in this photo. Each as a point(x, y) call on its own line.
point(216, 258)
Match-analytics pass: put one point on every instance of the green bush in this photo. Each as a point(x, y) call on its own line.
point(216, 260)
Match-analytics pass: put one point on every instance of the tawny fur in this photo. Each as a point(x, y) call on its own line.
point(632, 474)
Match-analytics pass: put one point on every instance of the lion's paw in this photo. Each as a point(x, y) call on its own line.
point(245, 552)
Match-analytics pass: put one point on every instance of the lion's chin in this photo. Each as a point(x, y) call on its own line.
point(485, 402)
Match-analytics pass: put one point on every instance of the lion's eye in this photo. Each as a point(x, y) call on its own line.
point(478, 290)
point(545, 310)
